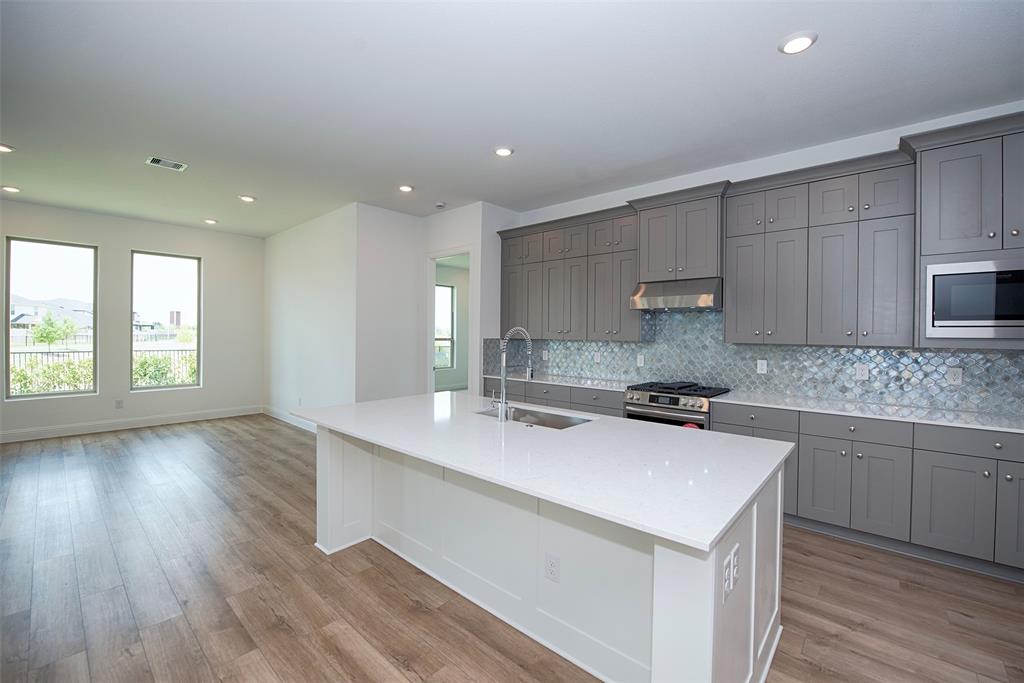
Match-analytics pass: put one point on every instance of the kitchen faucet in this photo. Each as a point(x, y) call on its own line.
point(503, 403)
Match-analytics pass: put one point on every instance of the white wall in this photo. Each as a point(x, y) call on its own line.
point(310, 314)
point(456, 377)
point(232, 326)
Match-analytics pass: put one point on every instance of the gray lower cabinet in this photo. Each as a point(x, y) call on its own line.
point(785, 208)
point(954, 503)
point(1013, 191)
point(611, 279)
point(698, 236)
point(824, 479)
point(791, 469)
point(832, 285)
point(785, 287)
point(741, 430)
point(833, 201)
point(565, 299)
point(885, 276)
point(887, 192)
point(744, 214)
point(880, 490)
point(657, 244)
point(614, 234)
point(1010, 514)
point(962, 197)
point(744, 289)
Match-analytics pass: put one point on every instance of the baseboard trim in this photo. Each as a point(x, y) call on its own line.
point(78, 428)
point(331, 551)
point(285, 416)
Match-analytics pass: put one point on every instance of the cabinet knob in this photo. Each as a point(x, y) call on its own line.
point(757, 333)
point(769, 333)
point(618, 243)
point(986, 474)
point(852, 428)
point(849, 333)
point(593, 398)
point(607, 244)
point(864, 333)
point(753, 417)
point(757, 222)
point(842, 453)
point(867, 206)
point(850, 208)
point(615, 331)
point(771, 220)
point(607, 331)
point(998, 446)
point(860, 456)
point(1008, 477)
point(991, 235)
point(544, 391)
point(1015, 232)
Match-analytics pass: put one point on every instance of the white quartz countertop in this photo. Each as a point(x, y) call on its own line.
point(685, 485)
point(567, 381)
point(947, 418)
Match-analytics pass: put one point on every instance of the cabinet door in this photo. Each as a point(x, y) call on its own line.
point(885, 282)
point(824, 479)
point(575, 311)
point(553, 307)
point(880, 490)
point(888, 192)
point(1013, 191)
point(1010, 514)
point(533, 299)
point(625, 232)
point(786, 208)
point(511, 297)
point(733, 429)
point(601, 237)
point(785, 287)
point(512, 251)
point(576, 240)
point(833, 200)
point(533, 248)
point(791, 470)
point(601, 297)
point(698, 235)
point(954, 503)
point(744, 214)
point(554, 246)
point(832, 285)
point(658, 244)
point(626, 323)
point(961, 197)
point(744, 289)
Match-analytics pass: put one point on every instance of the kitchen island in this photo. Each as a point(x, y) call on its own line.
point(639, 551)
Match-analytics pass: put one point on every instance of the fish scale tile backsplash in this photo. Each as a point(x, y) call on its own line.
point(690, 346)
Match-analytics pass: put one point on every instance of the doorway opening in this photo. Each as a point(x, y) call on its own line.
point(450, 344)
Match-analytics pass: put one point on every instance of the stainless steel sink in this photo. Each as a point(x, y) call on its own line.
point(538, 418)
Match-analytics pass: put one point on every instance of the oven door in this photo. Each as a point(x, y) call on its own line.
point(980, 299)
point(680, 418)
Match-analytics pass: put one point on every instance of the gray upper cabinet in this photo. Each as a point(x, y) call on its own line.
point(1013, 191)
point(954, 503)
point(885, 291)
point(614, 234)
point(698, 236)
point(520, 250)
point(832, 285)
point(880, 490)
point(744, 214)
point(824, 479)
point(744, 289)
point(626, 320)
point(554, 247)
point(565, 299)
point(532, 310)
point(553, 309)
point(512, 302)
point(961, 197)
point(888, 192)
point(601, 297)
point(833, 201)
point(785, 208)
point(657, 244)
point(576, 240)
point(533, 248)
point(785, 287)
point(1010, 514)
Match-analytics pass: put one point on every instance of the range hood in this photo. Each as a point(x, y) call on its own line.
point(704, 294)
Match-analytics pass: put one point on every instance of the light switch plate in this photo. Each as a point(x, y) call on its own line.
point(955, 376)
point(639, 360)
point(762, 367)
point(860, 371)
point(544, 354)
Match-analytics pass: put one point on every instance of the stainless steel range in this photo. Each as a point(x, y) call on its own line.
point(685, 404)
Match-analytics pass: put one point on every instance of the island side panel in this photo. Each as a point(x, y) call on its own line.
point(344, 488)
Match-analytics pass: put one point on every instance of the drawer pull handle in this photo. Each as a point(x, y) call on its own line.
point(1008, 477)
point(860, 456)
point(607, 244)
point(607, 331)
point(752, 417)
point(842, 453)
point(986, 474)
point(1015, 232)
point(757, 333)
point(991, 235)
point(757, 222)
point(769, 333)
point(849, 333)
point(771, 220)
point(998, 446)
point(852, 428)
point(618, 243)
point(594, 398)
point(544, 391)
point(850, 208)
point(867, 206)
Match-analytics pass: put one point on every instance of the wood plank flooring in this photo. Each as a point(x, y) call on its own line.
point(184, 553)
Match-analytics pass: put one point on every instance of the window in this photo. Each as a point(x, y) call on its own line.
point(165, 321)
point(51, 292)
point(444, 327)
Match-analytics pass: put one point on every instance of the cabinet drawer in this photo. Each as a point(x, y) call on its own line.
point(979, 442)
point(763, 418)
point(512, 387)
point(564, 405)
point(596, 397)
point(550, 392)
point(598, 410)
point(858, 428)
point(725, 428)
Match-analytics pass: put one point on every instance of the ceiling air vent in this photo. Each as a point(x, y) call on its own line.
point(167, 163)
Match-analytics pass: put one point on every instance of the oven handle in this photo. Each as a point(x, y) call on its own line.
point(696, 418)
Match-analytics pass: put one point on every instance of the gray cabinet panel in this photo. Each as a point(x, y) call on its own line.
point(550, 392)
point(554, 246)
point(626, 321)
point(533, 248)
point(598, 410)
point(553, 308)
point(513, 388)
point(657, 244)
point(733, 429)
point(832, 285)
point(512, 251)
point(776, 419)
point(601, 237)
point(790, 472)
point(744, 214)
point(625, 233)
point(824, 480)
point(601, 398)
point(873, 430)
point(601, 297)
point(885, 277)
point(698, 235)
point(512, 304)
point(785, 287)
point(833, 201)
point(961, 197)
point(744, 289)
point(786, 208)
point(888, 192)
point(575, 240)
point(1013, 191)
point(532, 304)
point(575, 310)
point(880, 490)
point(1010, 514)
point(954, 503)
point(983, 443)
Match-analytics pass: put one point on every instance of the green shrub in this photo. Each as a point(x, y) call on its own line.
point(152, 371)
point(37, 377)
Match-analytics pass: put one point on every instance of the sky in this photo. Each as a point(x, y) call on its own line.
point(55, 271)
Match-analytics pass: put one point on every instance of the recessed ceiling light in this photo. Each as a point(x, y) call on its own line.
point(504, 151)
point(5, 148)
point(209, 221)
point(796, 43)
point(406, 188)
point(10, 188)
point(247, 198)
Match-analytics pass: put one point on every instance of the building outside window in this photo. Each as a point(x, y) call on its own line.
point(166, 321)
point(444, 327)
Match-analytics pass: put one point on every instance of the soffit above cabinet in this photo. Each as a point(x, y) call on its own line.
point(871, 162)
point(978, 130)
point(558, 224)
point(680, 196)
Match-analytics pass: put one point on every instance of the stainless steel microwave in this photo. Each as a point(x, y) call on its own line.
point(976, 300)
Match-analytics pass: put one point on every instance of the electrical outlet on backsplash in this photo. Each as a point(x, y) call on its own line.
point(691, 346)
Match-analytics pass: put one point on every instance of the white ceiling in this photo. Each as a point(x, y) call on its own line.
point(310, 106)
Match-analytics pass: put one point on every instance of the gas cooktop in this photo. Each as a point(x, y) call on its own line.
point(678, 389)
